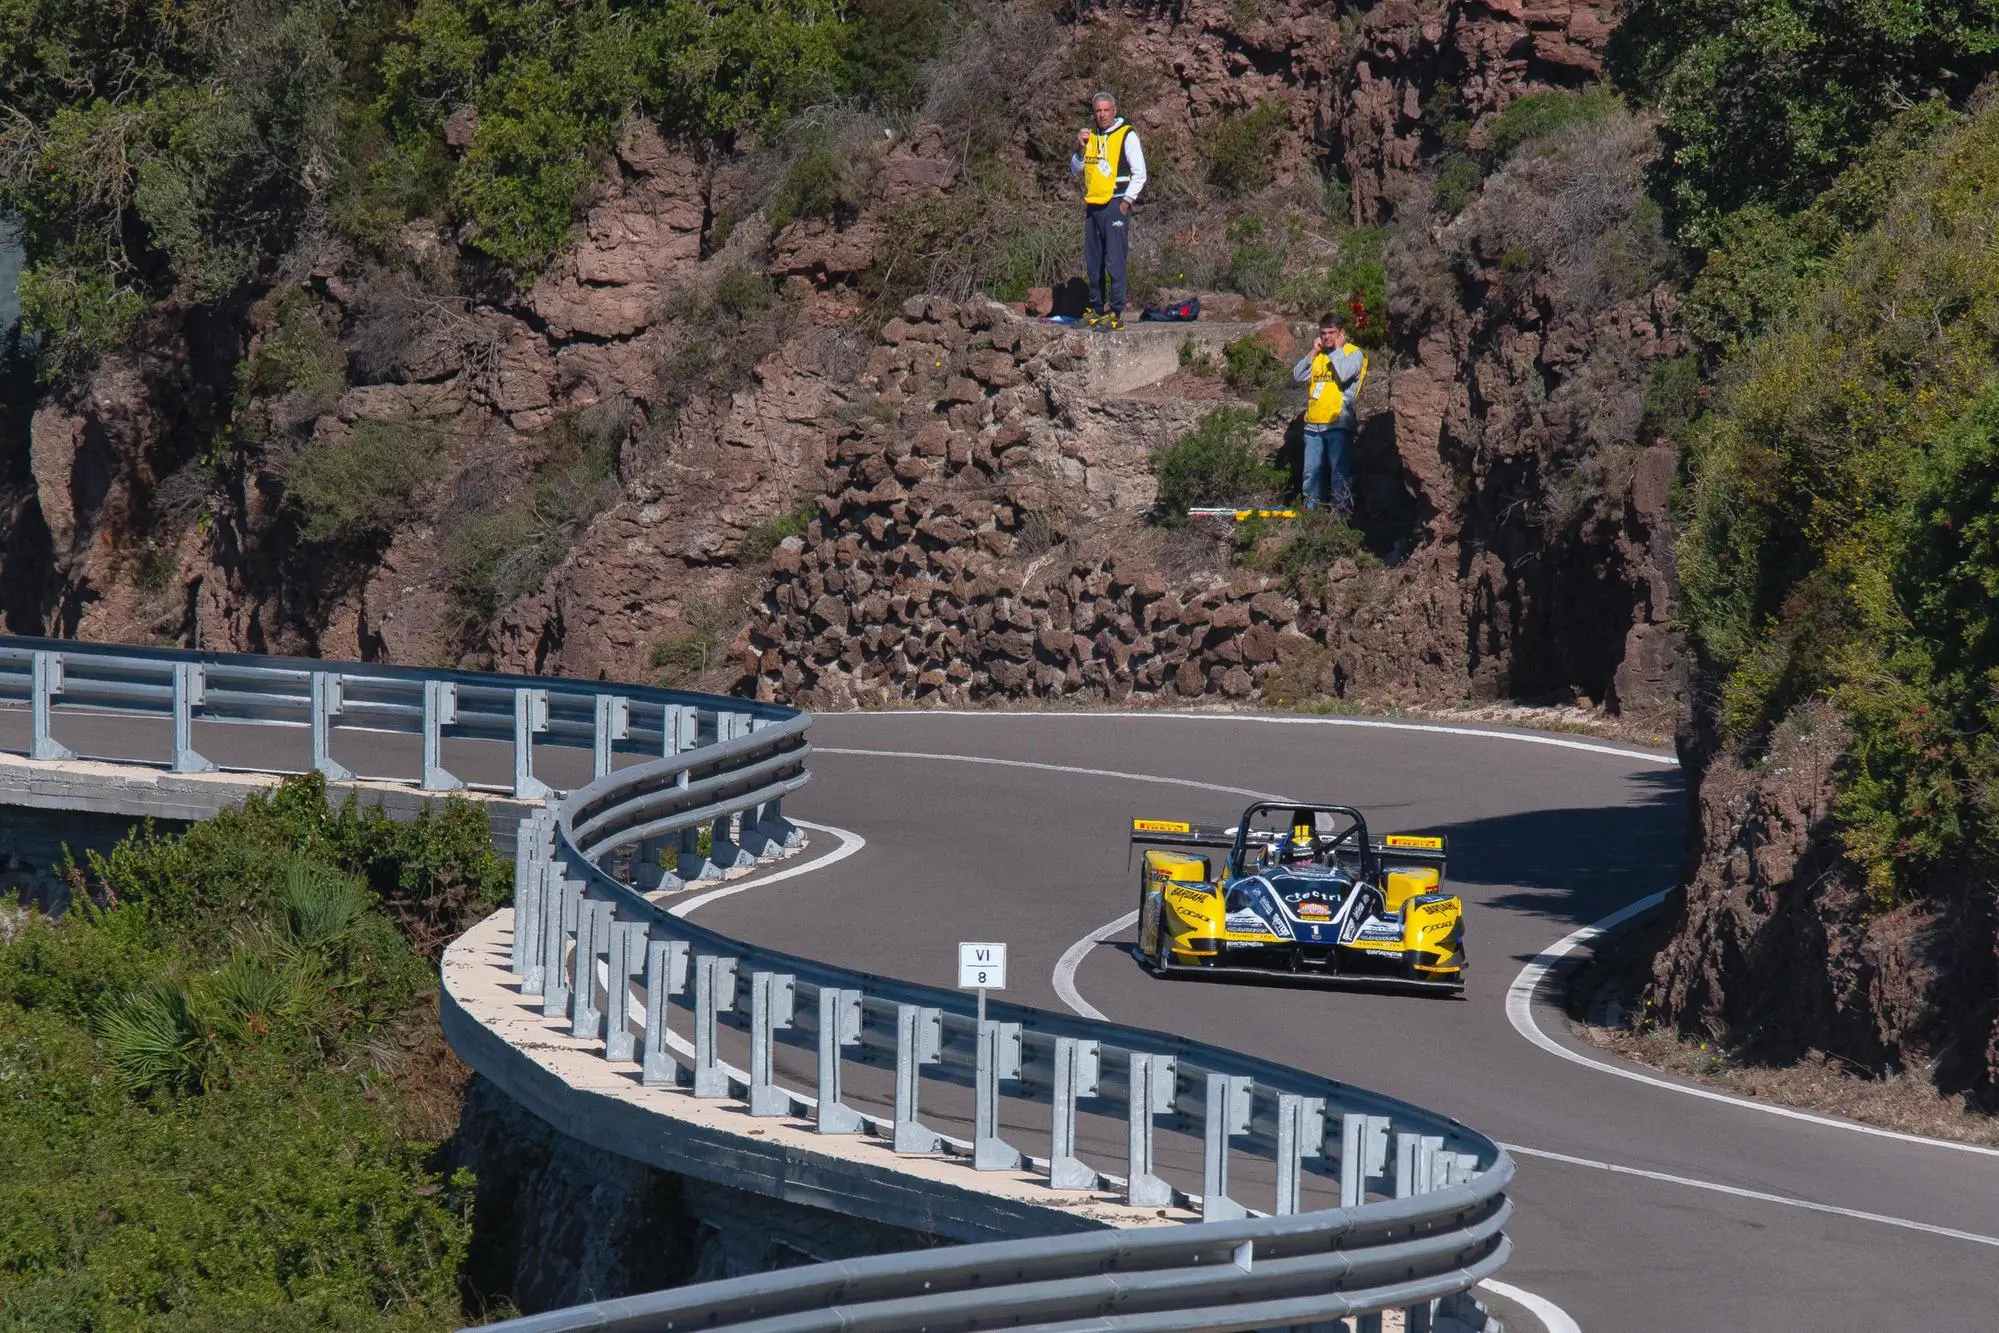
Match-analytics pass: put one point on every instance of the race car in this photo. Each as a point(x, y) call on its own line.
point(1302, 892)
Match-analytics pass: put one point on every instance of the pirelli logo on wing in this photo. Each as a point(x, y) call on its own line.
point(1415, 842)
point(1161, 826)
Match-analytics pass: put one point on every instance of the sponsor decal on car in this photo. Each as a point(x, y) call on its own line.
point(1161, 826)
point(1315, 911)
point(1415, 842)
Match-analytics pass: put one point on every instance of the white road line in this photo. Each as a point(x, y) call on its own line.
point(1553, 1317)
point(1437, 728)
point(849, 844)
point(1736, 1191)
point(1051, 768)
point(1520, 1012)
point(1072, 958)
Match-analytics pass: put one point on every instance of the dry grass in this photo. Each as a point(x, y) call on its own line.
point(1820, 1083)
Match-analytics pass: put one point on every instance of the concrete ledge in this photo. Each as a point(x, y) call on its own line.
point(567, 1082)
point(139, 792)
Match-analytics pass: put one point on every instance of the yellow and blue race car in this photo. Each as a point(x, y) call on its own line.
point(1302, 892)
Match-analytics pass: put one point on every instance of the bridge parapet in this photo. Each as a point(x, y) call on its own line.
point(720, 1058)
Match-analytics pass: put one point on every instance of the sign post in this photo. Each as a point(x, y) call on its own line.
point(982, 967)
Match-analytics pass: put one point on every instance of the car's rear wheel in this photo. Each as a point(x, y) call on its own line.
point(1158, 952)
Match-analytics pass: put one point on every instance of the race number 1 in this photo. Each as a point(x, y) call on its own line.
point(982, 967)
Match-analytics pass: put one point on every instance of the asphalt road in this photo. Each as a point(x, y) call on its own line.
point(1543, 839)
point(1635, 1203)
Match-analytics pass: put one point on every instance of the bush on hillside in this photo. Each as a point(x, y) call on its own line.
point(218, 1061)
point(1843, 488)
point(1539, 117)
point(508, 538)
point(1220, 461)
point(1241, 148)
point(356, 487)
point(1765, 101)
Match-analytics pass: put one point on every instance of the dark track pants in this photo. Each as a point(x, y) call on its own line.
point(1106, 241)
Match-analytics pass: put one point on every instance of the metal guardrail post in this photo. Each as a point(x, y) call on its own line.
point(773, 996)
point(593, 941)
point(687, 723)
point(1416, 1173)
point(560, 912)
point(614, 723)
point(326, 705)
point(999, 1057)
point(527, 869)
point(440, 710)
point(190, 692)
point(714, 993)
point(1301, 1133)
point(649, 872)
point(530, 719)
point(919, 1035)
point(691, 864)
point(666, 977)
point(1363, 1155)
point(625, 959)
point(1226, 1115)
point(839, 1025)
point(723, 849)
point(1150, 1092)
point(1075, 1077)
point(47, 683)
point(669, 730)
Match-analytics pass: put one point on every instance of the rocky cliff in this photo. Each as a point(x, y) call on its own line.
point(611, 471)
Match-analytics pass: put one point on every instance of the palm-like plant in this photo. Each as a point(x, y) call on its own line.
point(155, 1042)
point(319, 904)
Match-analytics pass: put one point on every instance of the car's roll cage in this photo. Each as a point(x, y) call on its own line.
point(1370, 855)
point(1356, 832)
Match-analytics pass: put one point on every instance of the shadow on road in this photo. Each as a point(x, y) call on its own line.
point(1574, 865)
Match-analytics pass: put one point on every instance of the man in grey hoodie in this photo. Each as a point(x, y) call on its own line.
point(1335, 369)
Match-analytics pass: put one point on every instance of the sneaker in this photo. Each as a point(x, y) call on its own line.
point(1112, 320)
point(1093, 316)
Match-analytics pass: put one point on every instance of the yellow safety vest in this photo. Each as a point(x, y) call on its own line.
point(1104, 172)
point(1328, 399)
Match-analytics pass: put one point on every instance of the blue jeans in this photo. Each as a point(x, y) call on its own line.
point(1326, 480)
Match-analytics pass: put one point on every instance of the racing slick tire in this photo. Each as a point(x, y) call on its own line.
point(1160, 960)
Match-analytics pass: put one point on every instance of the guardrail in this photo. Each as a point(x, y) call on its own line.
point(1422, 1198)
point(59, 678)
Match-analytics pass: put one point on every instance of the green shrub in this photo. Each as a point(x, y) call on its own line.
point(887, 43)
point(202, 1130)
point(1307, 545)
point(1456, 179)
point(759, 542)
point(496, 556)
point(811, 189)
point(1240, 148)
point(1193, 360)
point(686, 657)
point(1838, 544)
point(1765, 101)
point(1538, 116)
point(1252, 370)
point(357, 487)
point(79, 317)
point(1256, 265)
point(1219, 462)
point(1355, 284)
point(742, 292)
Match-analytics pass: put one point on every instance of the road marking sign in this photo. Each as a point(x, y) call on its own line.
point(981, 967)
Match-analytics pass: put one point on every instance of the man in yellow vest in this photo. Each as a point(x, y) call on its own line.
point(1335, 369)
point(1112, 166)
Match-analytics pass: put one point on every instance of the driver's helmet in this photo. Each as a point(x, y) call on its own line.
point(1300, 847)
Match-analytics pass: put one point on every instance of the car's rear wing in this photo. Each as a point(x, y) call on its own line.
point(1404, 847)
point(1180, 833)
